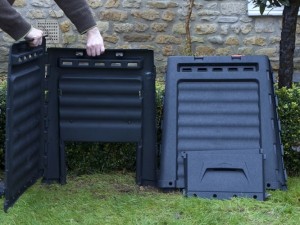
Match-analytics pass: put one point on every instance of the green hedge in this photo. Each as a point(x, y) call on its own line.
point(2, 121)
point(289, 113)
point(94, 157)
point(83, 158)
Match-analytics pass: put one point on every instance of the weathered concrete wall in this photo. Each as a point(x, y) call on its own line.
point(218, 27)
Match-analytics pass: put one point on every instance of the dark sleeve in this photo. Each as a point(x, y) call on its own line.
point(12, 22)
point(78, 11)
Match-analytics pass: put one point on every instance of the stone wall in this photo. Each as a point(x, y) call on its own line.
point(218, 27)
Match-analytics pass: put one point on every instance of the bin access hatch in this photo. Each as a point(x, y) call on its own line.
point(213, 175)
point(24, 125)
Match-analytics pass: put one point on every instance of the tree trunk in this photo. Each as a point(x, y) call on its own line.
point(287, 44)
point(188, 47)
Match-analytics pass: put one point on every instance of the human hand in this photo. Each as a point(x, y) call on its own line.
point(34, 37)
point(94, 43)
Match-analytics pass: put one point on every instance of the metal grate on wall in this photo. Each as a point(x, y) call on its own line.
point(51, 30)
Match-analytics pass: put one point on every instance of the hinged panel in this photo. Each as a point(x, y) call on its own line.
point(225, 175)
point(24, 120)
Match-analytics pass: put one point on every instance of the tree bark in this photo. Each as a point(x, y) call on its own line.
point(287, 44)
point(188, 49)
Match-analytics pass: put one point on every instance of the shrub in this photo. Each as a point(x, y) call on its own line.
point(2, 121)
point(160, 92)
point(289, 114)
point(93, 157)
point(83, 158)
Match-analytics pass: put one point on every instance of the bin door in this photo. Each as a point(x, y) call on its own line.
point(24, 120)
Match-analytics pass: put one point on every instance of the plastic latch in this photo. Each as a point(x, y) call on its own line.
point(184, 155)
point(236, 56)
point(119, 54)
point(198, 58)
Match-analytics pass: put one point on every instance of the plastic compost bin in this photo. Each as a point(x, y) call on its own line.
point(60, 94)
point(220, 131)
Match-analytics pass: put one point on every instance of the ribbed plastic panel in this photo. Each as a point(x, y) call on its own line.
point(224, 106)
point(102, 108)
point(218, 115)
point(24, 125)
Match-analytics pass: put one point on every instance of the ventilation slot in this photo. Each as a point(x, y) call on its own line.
point(186, 69)
point(67, 63)
point(248, 69)
point(116, 64)
point(83, 64)
point(202, 69)
point(217, 69)
point(132, 65)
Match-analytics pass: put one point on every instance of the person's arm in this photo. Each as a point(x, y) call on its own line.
point(12, 22)
point(16, 26)
point(78, 11)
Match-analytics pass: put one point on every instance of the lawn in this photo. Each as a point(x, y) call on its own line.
point(115, 199)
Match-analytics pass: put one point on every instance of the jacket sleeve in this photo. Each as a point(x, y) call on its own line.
point(12, 22)
point(78, 11)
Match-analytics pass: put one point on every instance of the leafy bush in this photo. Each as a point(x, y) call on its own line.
point(160, 92)
point(289, 113)
point(93, 157)
point(2, 121)
point(83, 158)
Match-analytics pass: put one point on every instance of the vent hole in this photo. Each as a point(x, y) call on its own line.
point(67, 63)
point(202, 69)
point(132, 65)
point(195, 195)
point(255, 196)
point(115, 64)
point(232, 69)
point(248, 69)
point(83, 64)
point(215, 195)
point(186, 70)
point(99, 64)
point(170, 183)
point(217, 69)
point(268, 185)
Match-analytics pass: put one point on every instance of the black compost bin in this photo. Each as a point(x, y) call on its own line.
point(221, 134)
point(60, 94)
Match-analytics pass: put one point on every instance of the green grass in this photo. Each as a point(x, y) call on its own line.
point(115, 199)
